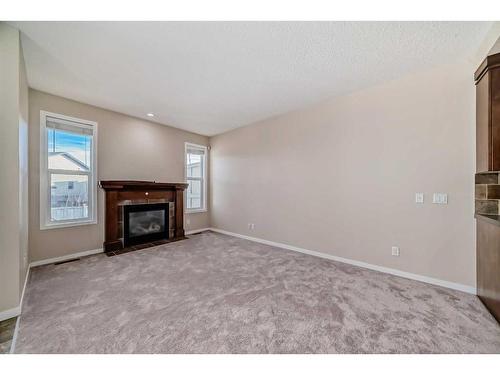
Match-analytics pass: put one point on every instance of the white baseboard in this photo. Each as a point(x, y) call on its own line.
point(187, 233)
point(24, 287)
point(14, 337)
point(11, 313)
point(65, 257)
point(391, 271)
point(16, 311)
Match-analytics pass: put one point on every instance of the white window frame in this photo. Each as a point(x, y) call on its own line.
point(45, 222)
point(187, 146)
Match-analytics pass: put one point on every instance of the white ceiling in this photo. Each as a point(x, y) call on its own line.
point(209, 77)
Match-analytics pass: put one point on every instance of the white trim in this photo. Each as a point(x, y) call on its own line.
point(391, 271)
point(16, 311)
point(44, 173)
point(69, 224)
point(205, 164)
point(197, 211)
point(10, 313)
point(65, 257)
point(24, 287)
point(14, 336)
point(187, 233)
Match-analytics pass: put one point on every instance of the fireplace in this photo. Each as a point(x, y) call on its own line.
point(141, 214)
point(143, 223)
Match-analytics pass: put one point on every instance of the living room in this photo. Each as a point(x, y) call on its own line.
point(250, 187)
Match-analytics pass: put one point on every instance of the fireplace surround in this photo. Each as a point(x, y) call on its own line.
point(143, 213)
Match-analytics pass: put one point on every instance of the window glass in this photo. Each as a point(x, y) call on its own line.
point(194, 194)
point(194, 167)
point(195, 177)
point(69, 198)
point(67, 150)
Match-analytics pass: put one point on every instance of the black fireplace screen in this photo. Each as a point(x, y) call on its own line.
point(143, 223)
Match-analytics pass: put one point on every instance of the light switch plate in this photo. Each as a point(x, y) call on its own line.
point(440, 198)
point(419, 197)
point(395, 251)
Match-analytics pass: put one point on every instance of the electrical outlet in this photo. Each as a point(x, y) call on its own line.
point(419, 197)
point(395, 251)
point(440, 198)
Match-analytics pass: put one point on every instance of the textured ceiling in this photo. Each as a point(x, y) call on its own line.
point(209, 77)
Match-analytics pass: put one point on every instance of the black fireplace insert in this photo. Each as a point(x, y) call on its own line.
point(143, 223)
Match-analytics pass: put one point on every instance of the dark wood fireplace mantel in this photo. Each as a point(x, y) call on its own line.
point(141, 185)
point(120, 192)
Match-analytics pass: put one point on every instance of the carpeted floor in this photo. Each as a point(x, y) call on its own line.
point(217, 294)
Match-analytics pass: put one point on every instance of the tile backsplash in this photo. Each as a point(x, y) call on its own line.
point(487, 193)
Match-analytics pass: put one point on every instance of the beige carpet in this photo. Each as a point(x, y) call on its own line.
point(217, 294)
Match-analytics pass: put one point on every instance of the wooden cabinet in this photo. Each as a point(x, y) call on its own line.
point(487, 78)
point(488, 262)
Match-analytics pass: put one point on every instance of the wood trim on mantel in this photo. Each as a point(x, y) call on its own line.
point(490, 62)
point(141, 185)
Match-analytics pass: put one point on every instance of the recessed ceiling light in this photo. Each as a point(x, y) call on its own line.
point(150, 115)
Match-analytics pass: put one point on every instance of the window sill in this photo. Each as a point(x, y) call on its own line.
point(196, 211)
point(67, 225)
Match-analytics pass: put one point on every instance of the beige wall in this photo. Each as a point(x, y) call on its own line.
point(13, 145)
point(128, 148)
point(341, 177)
point(496, 48)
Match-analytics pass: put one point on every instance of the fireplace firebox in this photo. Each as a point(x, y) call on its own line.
point(143, 223)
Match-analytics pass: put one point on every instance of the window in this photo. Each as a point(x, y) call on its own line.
point(196, 157)
point(68, 185)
